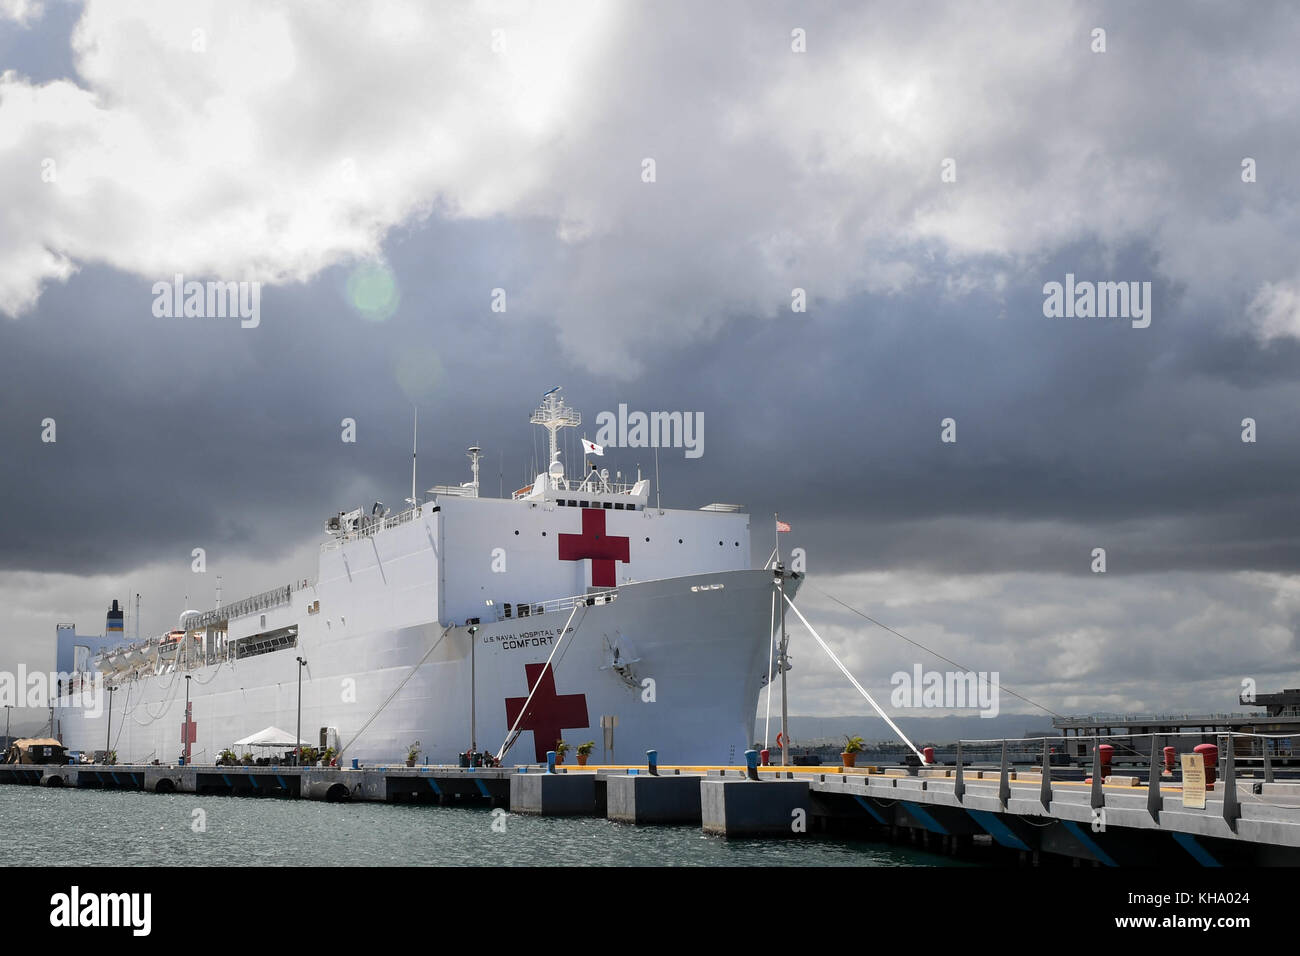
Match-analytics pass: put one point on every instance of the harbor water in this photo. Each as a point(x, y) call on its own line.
point(63, 827)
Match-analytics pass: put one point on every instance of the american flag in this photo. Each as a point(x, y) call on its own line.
point(782, 526)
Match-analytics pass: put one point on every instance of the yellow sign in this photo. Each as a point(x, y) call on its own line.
point(1193, 781)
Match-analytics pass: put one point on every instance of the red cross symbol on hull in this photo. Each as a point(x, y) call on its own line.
point(594, 543)
point(549, 713)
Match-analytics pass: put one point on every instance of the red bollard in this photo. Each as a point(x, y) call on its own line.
point(1211, 754)
point(1107, 752)
point(928, 754)
point(1171, 758)
point(764, 757)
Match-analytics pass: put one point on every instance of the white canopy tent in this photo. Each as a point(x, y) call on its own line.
point(272, 737)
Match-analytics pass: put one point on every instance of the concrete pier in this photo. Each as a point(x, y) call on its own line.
point(749, 808)
point(641, 798)
point(553, 794)
point(983, 813)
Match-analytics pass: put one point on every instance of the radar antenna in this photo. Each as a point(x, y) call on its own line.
point(553, 415)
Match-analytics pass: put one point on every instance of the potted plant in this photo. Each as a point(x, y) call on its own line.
point(584, 751)
point(561, 748)
point(852, 747)
point(247, 759)
point(227, 758)
point(412, 752)
point(327, 756)
point(111, 757)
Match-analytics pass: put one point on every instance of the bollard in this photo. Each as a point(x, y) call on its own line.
point(1171, 759)
point(652, 762)
point(1107, 752)
point(1211, 754)
point(550, 761)
point(751, 764)
point(928, 754)
point(354, 763)
point(766, 757)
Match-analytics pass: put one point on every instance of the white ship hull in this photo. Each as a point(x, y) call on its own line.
point(692, 655)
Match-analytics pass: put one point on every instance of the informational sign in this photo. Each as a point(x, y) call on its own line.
point(1193, 781)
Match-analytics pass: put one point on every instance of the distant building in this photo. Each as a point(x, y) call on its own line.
point(1185, 731)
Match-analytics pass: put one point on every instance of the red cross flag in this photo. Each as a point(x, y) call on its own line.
point(782, 526)
point(591, 448)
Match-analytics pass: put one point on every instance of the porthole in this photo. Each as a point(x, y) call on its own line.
point(516, 531)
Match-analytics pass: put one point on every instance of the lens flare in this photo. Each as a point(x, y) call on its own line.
point(372, 291)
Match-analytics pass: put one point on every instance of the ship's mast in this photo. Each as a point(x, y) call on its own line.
point(553, 415)
point(474, 454)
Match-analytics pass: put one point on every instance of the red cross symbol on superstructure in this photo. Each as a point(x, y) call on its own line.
point(549, 713)
point(594, 543)
point(189, 732)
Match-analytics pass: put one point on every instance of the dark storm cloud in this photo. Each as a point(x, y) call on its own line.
point(1071, 433)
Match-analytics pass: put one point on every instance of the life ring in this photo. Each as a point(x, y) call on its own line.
point(780, 742)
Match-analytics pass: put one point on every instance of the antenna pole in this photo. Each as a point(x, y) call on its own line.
point(785, 709)
point(658, 504)
point(415, 435)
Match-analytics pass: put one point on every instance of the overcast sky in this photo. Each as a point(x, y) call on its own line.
point(921, 171)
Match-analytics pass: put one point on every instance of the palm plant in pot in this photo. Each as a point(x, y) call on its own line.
point(584, 751)
point(852, 747)
point(561, 748)
point(412, 752)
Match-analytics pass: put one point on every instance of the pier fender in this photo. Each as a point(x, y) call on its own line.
point(52, 780)
point(165, 785)
point(330, 791)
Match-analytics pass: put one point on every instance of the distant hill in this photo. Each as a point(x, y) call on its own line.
point(807, 731)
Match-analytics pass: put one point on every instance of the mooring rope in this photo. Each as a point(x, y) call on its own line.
point(928, 650)
point(396, 691)
point(861, 690)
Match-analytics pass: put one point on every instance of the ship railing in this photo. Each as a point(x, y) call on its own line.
point(368, 526)
point(524, 609)
point(1244, 762)
point(249, 605)
point(576, 487)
